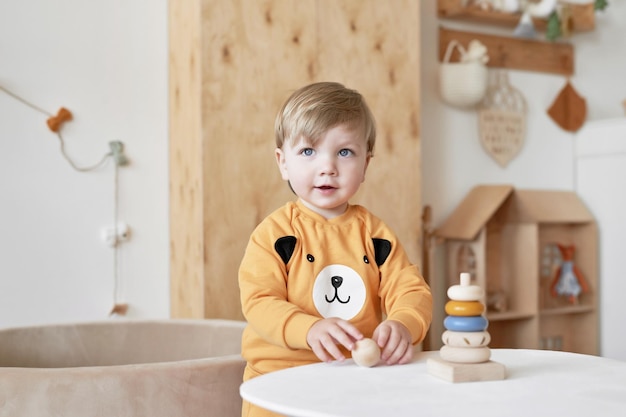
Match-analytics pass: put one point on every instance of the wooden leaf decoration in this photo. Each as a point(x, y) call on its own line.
point(502, 133)
point(502, 119)
point(569, 109)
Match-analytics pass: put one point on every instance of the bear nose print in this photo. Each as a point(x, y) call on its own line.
point(336, 281)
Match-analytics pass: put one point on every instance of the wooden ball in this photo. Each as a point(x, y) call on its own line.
point(366, 353)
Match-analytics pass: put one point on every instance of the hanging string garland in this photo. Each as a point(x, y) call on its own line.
point(55, 122)
point(116, 153)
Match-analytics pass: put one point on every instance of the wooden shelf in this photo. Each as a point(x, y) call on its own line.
point(567, 310)
point(509, 315)
point(582, 15)
point(515, 53)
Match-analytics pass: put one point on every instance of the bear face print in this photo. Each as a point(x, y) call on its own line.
point(338, 289)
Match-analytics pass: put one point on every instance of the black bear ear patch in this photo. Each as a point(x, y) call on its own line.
point(285, 246)
point(382, 249)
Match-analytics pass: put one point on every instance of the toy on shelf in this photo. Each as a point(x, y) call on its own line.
point(465, 355)
point(568, 280)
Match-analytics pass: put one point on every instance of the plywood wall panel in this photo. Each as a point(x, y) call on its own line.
point(373, 46)
point(252, 54)
point(186, 207)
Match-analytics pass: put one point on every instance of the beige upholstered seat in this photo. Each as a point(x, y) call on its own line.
point(122, 368)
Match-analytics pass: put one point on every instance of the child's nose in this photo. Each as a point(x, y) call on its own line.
point(328, 165)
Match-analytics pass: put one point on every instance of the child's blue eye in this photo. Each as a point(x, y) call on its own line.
point(307, 151)
point(345, 152)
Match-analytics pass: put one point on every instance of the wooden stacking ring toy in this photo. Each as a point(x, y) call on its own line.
point(465, 354)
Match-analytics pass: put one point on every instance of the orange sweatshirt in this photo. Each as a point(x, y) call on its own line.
point(300, 267)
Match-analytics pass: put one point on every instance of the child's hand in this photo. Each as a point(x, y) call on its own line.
point(326, 334)
point(394, 340)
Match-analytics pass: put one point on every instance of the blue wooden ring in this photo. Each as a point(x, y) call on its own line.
point(465, 324)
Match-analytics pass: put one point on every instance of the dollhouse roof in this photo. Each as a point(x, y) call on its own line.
point(486, 202)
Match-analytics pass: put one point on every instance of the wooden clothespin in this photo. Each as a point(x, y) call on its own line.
point(119, 310)
point(55, 122)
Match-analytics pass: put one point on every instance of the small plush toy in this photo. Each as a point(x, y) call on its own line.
point(476, 51)
point(568, 280)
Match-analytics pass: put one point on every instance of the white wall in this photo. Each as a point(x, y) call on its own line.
point(600, 179)
point(106, 61)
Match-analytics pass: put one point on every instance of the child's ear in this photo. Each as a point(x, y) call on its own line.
point(280, 160)
point(367, 163)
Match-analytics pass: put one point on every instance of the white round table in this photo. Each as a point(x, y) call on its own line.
point(538, 383)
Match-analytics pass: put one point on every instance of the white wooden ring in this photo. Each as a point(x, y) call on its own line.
point(465, 355)
point(465, 293)
point(465, 339)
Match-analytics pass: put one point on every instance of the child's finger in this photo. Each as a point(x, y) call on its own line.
point(349, 334)
point(333, 350)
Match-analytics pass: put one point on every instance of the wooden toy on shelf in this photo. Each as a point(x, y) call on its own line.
point(465, 354)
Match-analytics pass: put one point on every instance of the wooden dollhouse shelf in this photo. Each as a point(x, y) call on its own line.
point(582, 15)
point(514, 53)
point(506, 236)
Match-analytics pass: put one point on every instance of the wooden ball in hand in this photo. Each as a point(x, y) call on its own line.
point(366, 353)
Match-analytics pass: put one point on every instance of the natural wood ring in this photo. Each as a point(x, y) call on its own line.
point(465, 355)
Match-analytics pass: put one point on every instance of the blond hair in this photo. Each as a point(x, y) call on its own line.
point(314, 109)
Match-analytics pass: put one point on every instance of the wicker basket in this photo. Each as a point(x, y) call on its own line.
point(462, 84)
